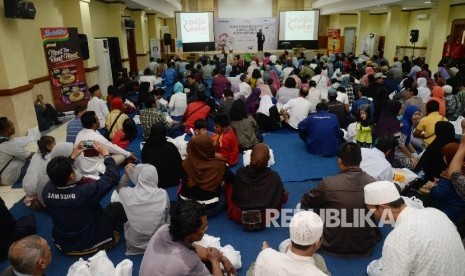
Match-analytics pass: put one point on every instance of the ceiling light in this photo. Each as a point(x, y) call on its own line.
point(427, 2)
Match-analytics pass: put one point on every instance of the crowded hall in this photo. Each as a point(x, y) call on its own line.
point(219, 137)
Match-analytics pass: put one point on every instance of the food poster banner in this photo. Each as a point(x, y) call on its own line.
point(334, 41)
point(240, 34)
point(66, 69)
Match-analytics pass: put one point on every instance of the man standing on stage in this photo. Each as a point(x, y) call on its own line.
point(260, 40)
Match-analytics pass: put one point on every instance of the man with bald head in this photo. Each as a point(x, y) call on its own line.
point(28, 256)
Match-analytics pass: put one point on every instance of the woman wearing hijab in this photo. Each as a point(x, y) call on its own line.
point(368, 71)
point(264, 88)
point(251, 68)
point(438, 95)
point(443, 193)
point(163, 155)
point(387, 122)
point(255, 187)
point(405, 154)
point(423, 92)
point(256, 74)
point(204, 175)
point(431, 161)
point(253, 102)
point(244, 125)
point(276, 81)
point(178, 102)
point(267, 116)
point(146, 206)
point(115, 118)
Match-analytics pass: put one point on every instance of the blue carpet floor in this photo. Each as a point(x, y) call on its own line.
point(299, 171)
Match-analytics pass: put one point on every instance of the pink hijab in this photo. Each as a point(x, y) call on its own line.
point(276, 82)
point(368, 71)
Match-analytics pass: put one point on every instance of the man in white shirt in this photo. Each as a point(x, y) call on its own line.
point(97, 105)
point(148, 77)
point(298, 258)
point(374, 160)
point(423, 242)
point(93, 163)
point(296, 110)
point(244, 88)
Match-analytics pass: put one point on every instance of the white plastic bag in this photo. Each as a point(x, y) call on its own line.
point(101, 265)
point(181, 145)
point(247, 157)
point(79, 268)
point(228, 251)
point(124, 268)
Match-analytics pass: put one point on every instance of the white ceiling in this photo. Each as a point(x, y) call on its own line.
point(374, 6)
point(164, 8)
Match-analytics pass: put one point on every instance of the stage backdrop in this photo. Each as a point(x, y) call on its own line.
point(240, 34)
point(66, 70)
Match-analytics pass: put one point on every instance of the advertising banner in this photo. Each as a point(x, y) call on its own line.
point(334, 41)
point(66, 69)
point(240, 34)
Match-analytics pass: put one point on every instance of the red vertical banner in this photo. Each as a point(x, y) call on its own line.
point(65, 67)
point(334, 41)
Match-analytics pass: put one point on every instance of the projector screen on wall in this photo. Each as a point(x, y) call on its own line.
point(299, 27)
point(195, 28)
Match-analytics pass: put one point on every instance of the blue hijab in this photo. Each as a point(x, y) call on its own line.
point(407, 122)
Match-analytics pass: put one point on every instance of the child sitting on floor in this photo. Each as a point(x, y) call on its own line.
point(225, 139)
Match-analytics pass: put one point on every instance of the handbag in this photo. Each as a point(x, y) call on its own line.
point(107, 134)
point(252, 220)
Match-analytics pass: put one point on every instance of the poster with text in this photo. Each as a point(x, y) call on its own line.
point(334, 41)
point(240, 34)
point(65, 66)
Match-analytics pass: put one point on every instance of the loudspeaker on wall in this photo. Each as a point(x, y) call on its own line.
point(83, 44)
point(414, 35)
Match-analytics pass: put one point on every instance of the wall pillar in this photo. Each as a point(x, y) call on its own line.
point(76, 13)
point(116, 26)
point(362, 26)
point(393, 33)
point(438, 32)
point(16, 98)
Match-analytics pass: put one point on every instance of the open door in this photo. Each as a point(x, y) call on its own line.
point(131, 42)
point(349, 40)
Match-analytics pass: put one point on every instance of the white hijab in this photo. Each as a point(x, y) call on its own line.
point(265, 105)
point(145, 204)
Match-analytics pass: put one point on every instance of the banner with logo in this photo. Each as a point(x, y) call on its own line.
point(66, 69)
point(240, 34)
point(334, 41)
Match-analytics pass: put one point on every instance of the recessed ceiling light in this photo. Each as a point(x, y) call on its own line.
point(427, 2)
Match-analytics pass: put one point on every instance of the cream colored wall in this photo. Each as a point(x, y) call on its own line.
point(456, 12)
point(98, 12)
point(22, 117)
point(48, 15)
point(422, 26)
point(143, 62)
point(347, 21)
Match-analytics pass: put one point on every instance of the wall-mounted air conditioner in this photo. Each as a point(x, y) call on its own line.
point(423, 17)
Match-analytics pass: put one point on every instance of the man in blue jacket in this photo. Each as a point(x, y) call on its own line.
point(80, 225)
point(320, 132)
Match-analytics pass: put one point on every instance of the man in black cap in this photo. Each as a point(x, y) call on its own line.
point(97, 105)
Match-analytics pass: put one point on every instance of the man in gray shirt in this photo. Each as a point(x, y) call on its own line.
point(13, 155)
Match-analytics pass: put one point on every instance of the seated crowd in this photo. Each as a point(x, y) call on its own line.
point(370, 116)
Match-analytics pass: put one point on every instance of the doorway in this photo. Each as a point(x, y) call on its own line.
point(349, 40)
point(131, 42)
point(458, 30)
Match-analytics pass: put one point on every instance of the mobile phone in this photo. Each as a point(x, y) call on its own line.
point(88, 144)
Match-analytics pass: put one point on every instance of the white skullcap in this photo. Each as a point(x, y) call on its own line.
point(306, 228)
point(381, 192)
point(447, 89)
